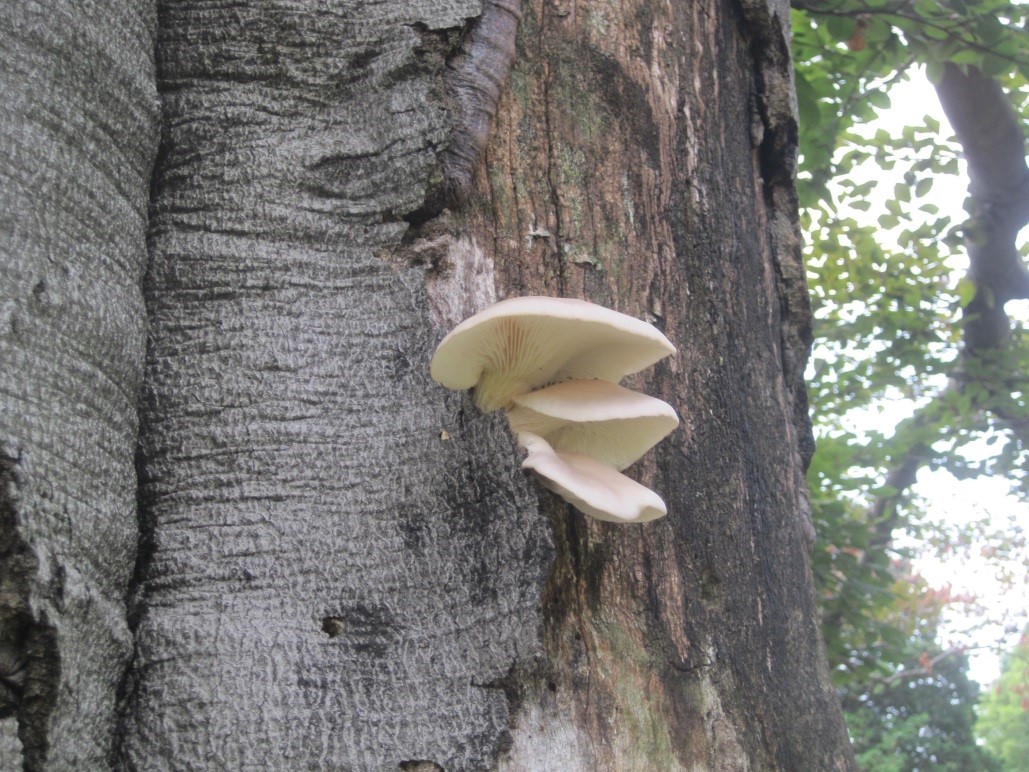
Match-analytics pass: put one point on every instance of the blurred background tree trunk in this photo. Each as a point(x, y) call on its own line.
point(342, 565)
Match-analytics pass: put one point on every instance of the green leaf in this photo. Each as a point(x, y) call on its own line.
point(965, 291)
point(878, 99)
point(841, 27)
point(933, 32)
point(807, 102)
point(994, 65)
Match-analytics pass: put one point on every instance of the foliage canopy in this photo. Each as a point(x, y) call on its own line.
point(891, 305)
point(1004, 713)
point(894, 322)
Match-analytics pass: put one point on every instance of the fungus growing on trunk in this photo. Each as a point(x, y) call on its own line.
point(610, 423)
point(590, 486)
point(582, 428)
point(520, 344)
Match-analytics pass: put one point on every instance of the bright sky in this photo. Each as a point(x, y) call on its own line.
point(999, 610)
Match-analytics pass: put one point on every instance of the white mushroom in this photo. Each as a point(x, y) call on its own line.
point(595, 418)
point(590, 486)
point(520, 344)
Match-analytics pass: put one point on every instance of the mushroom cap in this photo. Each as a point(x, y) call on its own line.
point(590, 486)
point(612, 424)
point(520, 344)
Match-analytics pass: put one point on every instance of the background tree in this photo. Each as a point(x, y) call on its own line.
point(920, 715)
point(921, 718)
point(1004, 712)
point(340, 564)
point(894, 319)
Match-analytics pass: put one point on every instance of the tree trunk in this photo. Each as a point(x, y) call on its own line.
point(644, 158)
point(78, 117)
point(342, 565)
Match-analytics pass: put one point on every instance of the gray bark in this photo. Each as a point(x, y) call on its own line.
point(341, 564)
point(78, 119)
point(327, 583)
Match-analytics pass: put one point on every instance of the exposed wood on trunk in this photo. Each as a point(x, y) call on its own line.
point(643, 159)
point(78, 120)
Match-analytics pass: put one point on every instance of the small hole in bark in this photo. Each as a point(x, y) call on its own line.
point(333, 626)
point(420, 765)
point(362, 58)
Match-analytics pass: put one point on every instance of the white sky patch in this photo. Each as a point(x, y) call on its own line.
point(996, 591)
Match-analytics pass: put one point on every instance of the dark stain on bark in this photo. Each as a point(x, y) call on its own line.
point(13, 601)
point(368, 628)
point(39, 697)
point(625, 99)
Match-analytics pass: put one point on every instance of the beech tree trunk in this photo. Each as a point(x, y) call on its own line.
point(78, 121)
point(341, 564)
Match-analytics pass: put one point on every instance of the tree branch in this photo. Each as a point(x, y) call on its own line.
point(991, 137)
point(953, 29)
point(993, 144)
point(929, 424)
point(926, 667)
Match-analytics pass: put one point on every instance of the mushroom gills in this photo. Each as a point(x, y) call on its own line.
point(520, 344)
point(582, 428)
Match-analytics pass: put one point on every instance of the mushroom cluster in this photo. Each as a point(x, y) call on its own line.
point(553, 364)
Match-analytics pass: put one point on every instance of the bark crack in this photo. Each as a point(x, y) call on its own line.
point(29, 662)
point(553, 175)
point(474, 77)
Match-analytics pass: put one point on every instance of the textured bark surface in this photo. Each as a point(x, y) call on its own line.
point(342, 559)
point(643, 158)
point(78, 118)
point(342, 565)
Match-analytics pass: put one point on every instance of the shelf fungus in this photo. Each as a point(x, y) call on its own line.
point(590, 486)
point(610, 423)
point(554, 365)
